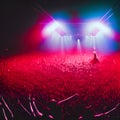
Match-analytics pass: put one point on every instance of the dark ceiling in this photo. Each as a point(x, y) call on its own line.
point(17, 16)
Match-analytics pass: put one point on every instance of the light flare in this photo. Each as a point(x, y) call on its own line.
point(95, 27)
point(52, 27)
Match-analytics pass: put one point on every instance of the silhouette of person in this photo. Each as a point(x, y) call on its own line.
point(95, 58)
point(55, 108)
point(35, 111)
point(22, 110)
point(6, 112)
point(88, 114)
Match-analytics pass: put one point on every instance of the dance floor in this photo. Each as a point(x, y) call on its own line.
point(59, 76)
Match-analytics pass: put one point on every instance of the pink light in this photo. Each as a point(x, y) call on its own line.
point(94, 28)
point(57, 36)
point(98, 36)
point(54, 27)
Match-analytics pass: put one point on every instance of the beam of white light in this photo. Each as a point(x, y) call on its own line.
point(43, 10)
point(50, 27)
point(54, 27)
point(102, 18)
point(62, 44)
point(57, 36)
point(78, 45)
point(97, 33)
point(110, 13)
point(93, 39)
point(108, 17)
point(96, 27)
point(68, 42)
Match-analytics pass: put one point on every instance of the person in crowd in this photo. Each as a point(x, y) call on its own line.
point(88, 114)
point(55, 108)
point(23, 110)
point(28, 110)
point(2, 111)
point(6, 112)
point(95, 58)
point(35, 111)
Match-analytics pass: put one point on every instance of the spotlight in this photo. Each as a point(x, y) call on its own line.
point(78, 45)
point(54, 26)
point(95, 27)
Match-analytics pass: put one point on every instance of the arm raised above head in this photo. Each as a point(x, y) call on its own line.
point(31, 105)
point(108, 112)
point(69, 98)
point(113, 109)
point(8, 108)
point(36, 108)
point(23, 107)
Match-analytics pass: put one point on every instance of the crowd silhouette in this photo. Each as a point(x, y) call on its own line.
point(52, 111)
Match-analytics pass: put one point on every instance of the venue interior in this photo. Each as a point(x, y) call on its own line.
point(60, 60)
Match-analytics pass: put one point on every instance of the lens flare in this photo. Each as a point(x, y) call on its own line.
point(95, 27)
point(57, 36)
point(54, 26)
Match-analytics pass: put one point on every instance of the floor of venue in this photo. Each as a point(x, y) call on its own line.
point(47, 76)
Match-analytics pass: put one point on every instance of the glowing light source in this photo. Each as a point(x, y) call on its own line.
point(94, 28)
point(98, 36)
point(52, 27)
point(78, 45)
point(57, 36)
